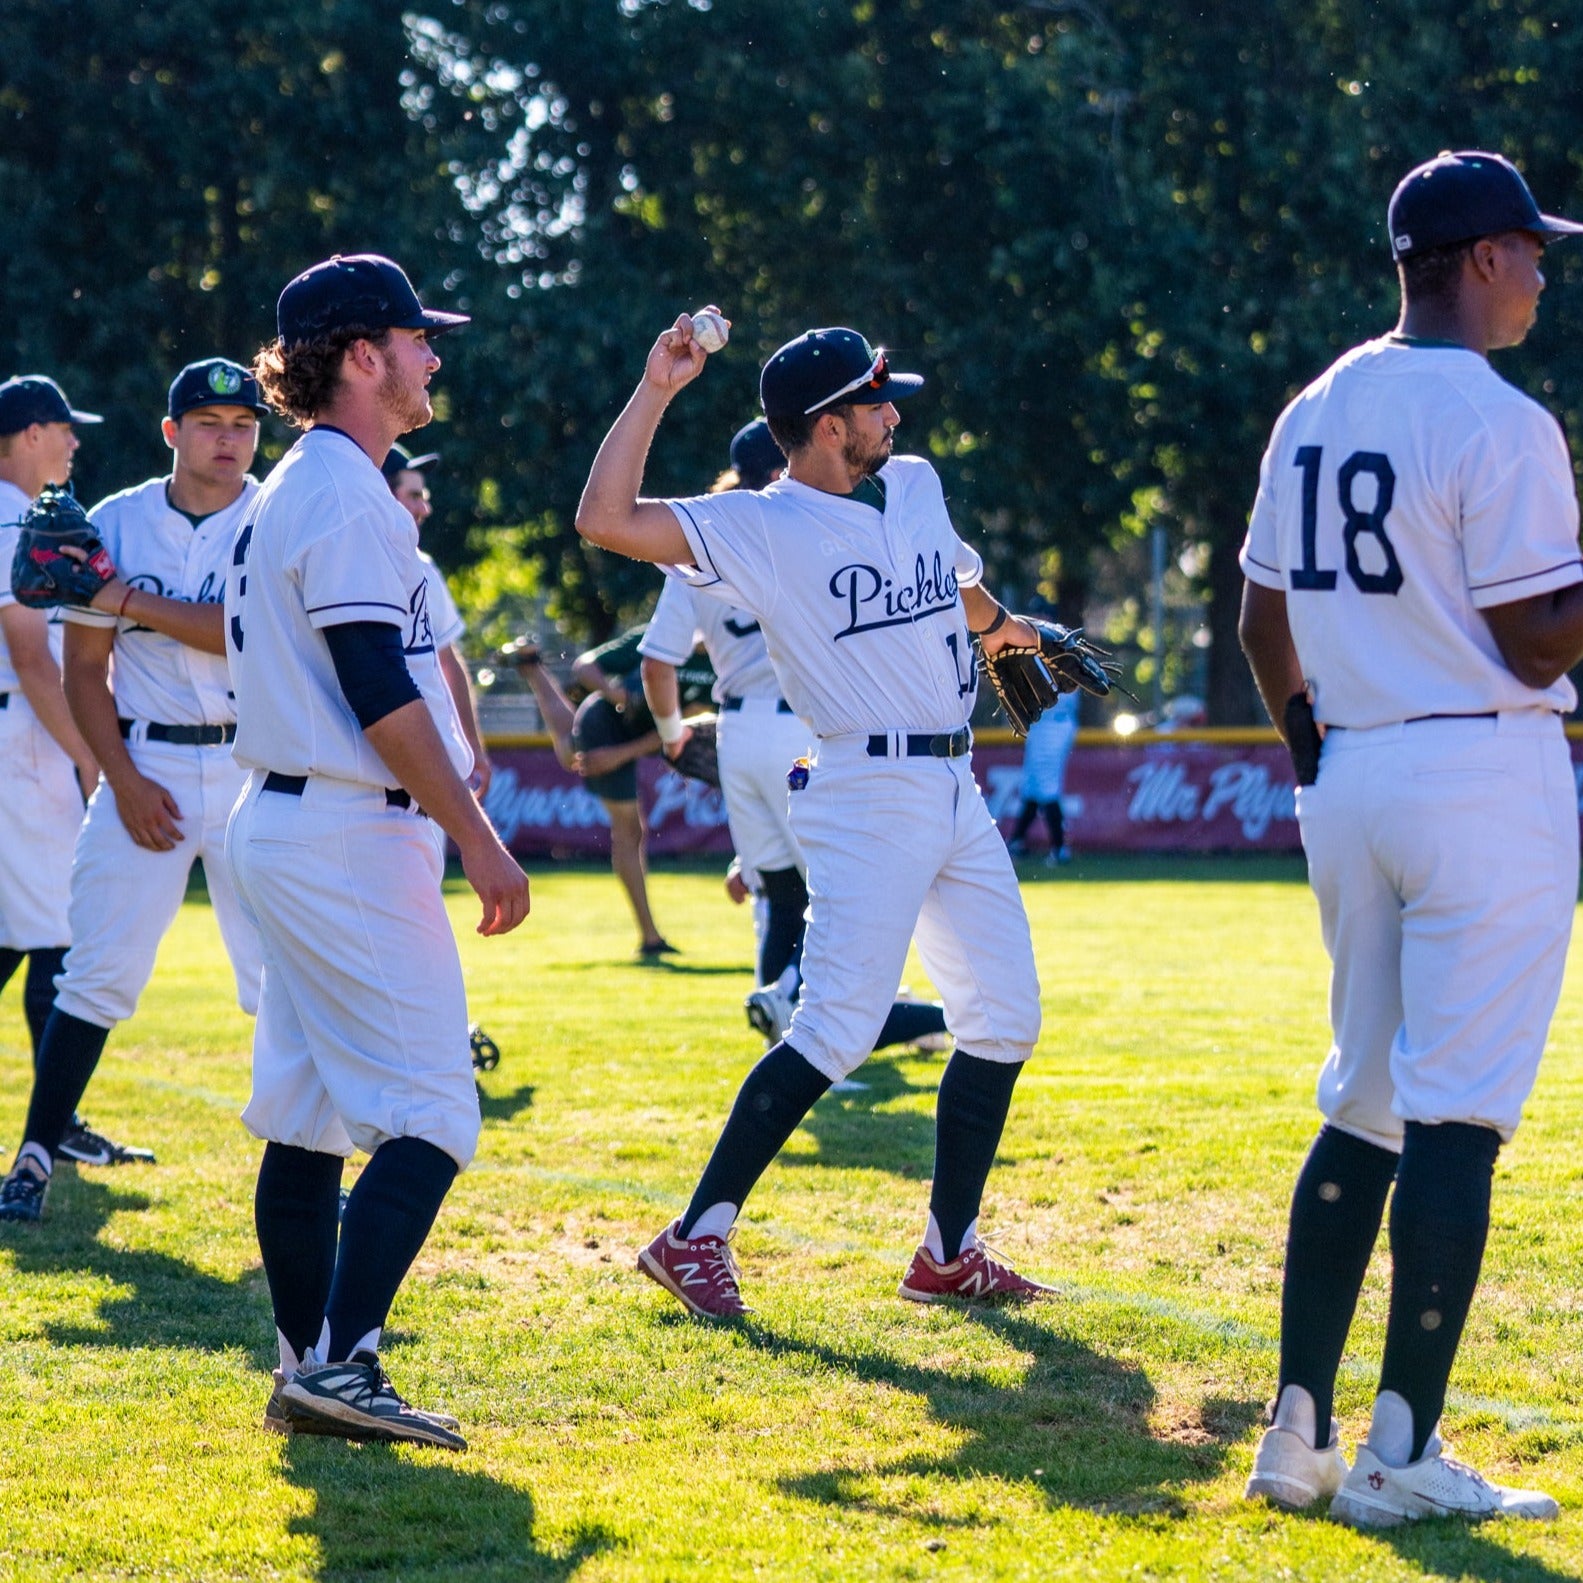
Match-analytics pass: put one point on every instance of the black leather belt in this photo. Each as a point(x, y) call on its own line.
point(5, 700)
point(920, 745)
point(1488, 714)
point(730, 704)
point(183, 736)
point(296, 785)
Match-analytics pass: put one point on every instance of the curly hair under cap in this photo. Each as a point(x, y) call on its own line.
point(299, 381)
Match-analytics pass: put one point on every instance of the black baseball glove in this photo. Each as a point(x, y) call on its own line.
point(41, 577)
point(486, 1053)
point(1028, 680)
point(699, 758)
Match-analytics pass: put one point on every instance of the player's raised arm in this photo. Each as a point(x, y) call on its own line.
point(610, 513)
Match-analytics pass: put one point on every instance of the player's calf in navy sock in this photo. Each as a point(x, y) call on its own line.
point(1337, 1207)
point(970, 1116)
point(1440, 1219)
point(296, 1207)
point(773, 1099)
point(909, 1020)
point(10, 961)
point(389, 1213)
point(67, 1055)
point(787, 896)
point(38, 993)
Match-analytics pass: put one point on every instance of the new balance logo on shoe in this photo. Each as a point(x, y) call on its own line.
point(977, 1274)
point(701, 1272)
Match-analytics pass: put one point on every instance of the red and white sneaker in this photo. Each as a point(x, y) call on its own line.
point(976, 1274)
point(701, 1272)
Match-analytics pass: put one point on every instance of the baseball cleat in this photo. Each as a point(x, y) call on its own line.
point(769, 1012)
point(1437, 1485)
point(356, 1400)
point(22, 1194)
point(486, 1053)
point(702, 1273)
point(87, 1147)
point(653, 950)
point(1290, 1473)
point(975, 1274)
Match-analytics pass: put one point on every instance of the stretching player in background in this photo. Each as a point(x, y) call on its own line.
point(405, 473)
point(759, 740)
point(146, 679)
point(872, 646)
point(47, 770)
point(1045, 755)
point(1414, 599)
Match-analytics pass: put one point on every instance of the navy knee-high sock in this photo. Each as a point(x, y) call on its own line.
point(970, 1116)
point(67, 1056)
point(788, 902)
point(909, 1020)
point(10, 961)
point(1055, 819)
point(38, 994)
point(1440, 1220)
point(1335, 1220)
point(774, 1097)
point(388, 1215)
point(295, 1209)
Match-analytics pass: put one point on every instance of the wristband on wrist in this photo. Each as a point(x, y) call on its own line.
point(670, 728)
point(125, 600)
point(994, 626)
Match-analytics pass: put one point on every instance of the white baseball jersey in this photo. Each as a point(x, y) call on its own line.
point(860, 609)
point(733, 637)
point(444, 618)
point(1404, 491)
point(160, 549)
point(324, 542)
point(13, 507)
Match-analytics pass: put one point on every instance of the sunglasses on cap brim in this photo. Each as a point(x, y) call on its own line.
point(874, 379)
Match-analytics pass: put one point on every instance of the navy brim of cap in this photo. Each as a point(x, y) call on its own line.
point(84, 417)
point(435, 322)
point(1554, 225)
point(897, 388)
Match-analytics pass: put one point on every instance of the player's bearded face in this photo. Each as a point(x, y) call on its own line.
point(868, 441)
point(403, 391)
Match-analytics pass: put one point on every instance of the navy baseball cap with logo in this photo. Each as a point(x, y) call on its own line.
point(755, 455)
point(361, 289)
point(400, 460)
point(1459, 197)
point(27, 399)
point(822, 367)
point(214, 382)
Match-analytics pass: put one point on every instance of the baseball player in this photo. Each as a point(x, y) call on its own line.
point(352, 744)
point(1045, 755)
point(1414, 598)
point(759, 738)
point(868, 602)
point(146, 679)
point(404, 472)
point(46, 768)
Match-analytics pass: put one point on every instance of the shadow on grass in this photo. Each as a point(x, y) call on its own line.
point(505, 1107)
point(379, 1512)
point(1448, 1548)
point(158, 1300)
point(855, 1130)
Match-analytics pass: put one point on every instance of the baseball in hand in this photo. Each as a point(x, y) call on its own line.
point(710, 330)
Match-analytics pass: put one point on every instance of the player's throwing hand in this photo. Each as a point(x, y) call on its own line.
point(676, 358)
point(501, 886)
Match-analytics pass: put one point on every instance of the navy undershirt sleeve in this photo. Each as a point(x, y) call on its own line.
point(371, 668)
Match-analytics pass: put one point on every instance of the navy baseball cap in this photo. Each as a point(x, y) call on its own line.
point(363, 289)
point(214, 382)
point(825, 366)
point(755, 455)
point(1461, 197)
point(400, 460)
point(27, 399)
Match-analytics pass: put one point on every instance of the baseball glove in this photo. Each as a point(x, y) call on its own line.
point(41, 577)
point(1028, 680)
point(699, 758)
point(486, 1053)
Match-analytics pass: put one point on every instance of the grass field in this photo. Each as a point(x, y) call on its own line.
point(842, 1433)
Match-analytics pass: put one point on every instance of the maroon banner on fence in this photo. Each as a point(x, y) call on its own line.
point(1159, 796)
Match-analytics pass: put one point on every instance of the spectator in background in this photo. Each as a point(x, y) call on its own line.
point(1044, 761)
point(404, 474)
